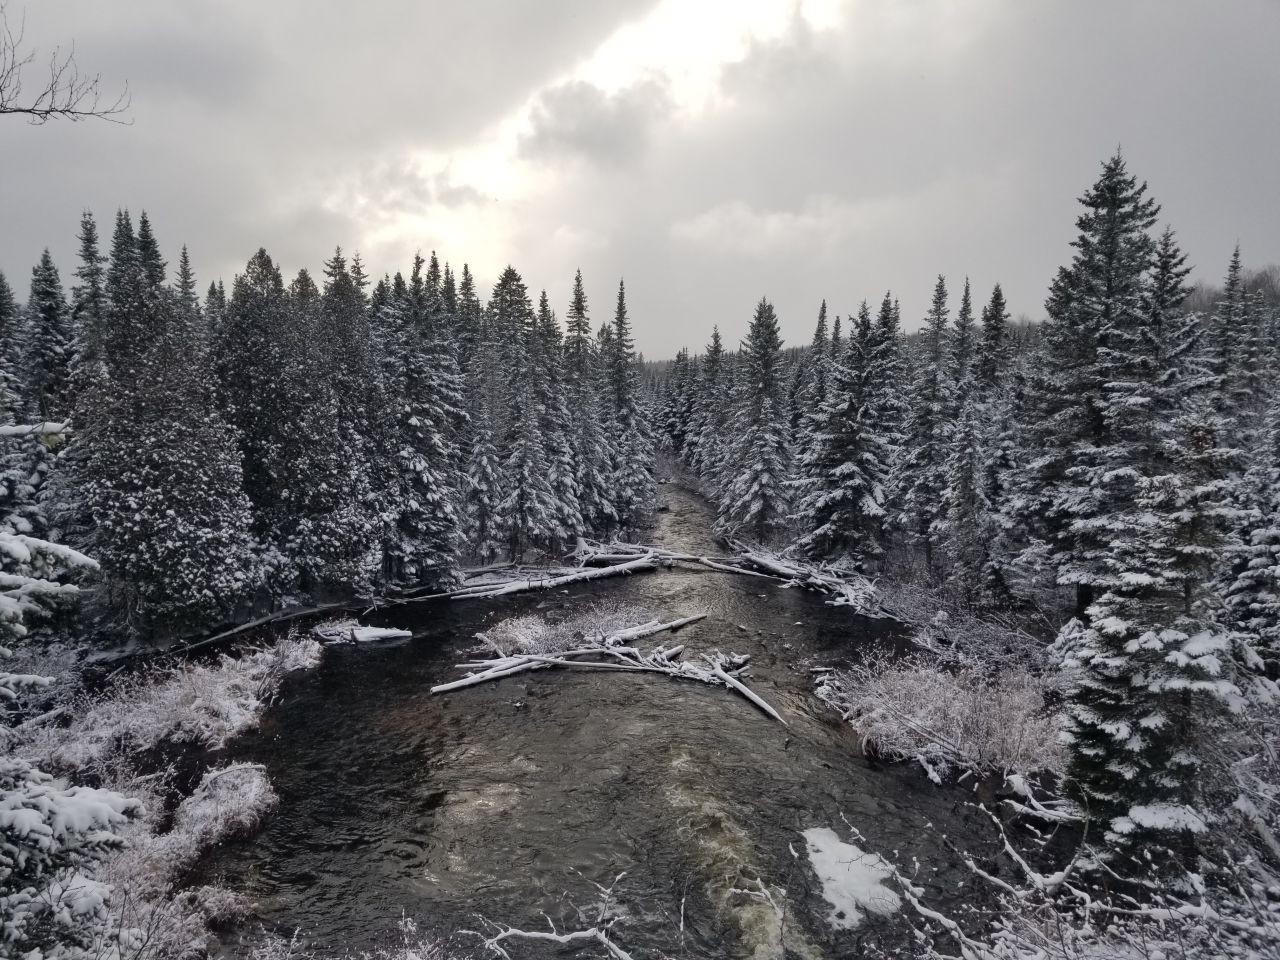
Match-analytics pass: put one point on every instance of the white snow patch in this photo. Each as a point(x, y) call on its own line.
point(350, 631)
point(853, 882)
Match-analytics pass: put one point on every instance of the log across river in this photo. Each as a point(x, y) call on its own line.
point(514, 799)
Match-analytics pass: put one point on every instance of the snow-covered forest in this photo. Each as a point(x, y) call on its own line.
point(1106, 482)
point(415, 615)
point(223, 453)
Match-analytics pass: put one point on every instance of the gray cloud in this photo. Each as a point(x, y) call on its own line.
point(580, 119)
point(911, 139)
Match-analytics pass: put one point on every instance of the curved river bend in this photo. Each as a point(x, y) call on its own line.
point(513, 799)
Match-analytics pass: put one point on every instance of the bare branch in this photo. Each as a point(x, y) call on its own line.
point(65, 93)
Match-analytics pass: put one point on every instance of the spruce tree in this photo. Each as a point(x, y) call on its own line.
point(961, 366)
point(845, 466)
point(590, 447)
point(756, 501)
point(158, 469)
point(482, 488)
point(711, 412)
point(526, 512)
point(48, 344)
point(1064, 425)
point(556, 427)
point(994, 349)
point(88, 299)
point(925, 453)
point(632, 480)
point(11, 352)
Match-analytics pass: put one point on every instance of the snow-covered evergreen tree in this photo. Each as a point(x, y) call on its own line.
point(960, 366)
point(1058, 501)
point(632, 477)
point(846, 463)
point(11, 353)
point(994, 356)
point(48, 344)
point(275, 390)
point(423, 543)
point(711, 413)
point(556, 427)
point(925, 452)
point(756, 502)
point(591, 448)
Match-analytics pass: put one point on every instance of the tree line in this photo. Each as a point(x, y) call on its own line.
point(302, 438)
point(1119, 468)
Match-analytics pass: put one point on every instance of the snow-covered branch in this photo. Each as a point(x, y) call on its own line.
point(525, 644)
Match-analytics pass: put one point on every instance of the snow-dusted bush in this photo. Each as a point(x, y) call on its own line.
point(965, 719)
point(200, 703)
point(543, 635)
point(412, 945)
point(115, 890)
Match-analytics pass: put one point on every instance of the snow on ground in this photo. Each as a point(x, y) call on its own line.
point(853, 882)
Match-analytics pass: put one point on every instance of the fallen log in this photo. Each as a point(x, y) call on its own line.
point(485, 591)
point(743, 689)
point(608, 654)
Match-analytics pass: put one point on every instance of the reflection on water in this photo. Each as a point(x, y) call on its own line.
point(514, 798)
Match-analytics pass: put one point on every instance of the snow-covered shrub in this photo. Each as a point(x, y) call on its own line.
point(122, 899)
point(544, 635)
point(200, 703)
point(412, 945)
point(967, 718)
point(229, 801)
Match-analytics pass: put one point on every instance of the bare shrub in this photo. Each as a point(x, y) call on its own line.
point(965, 718)
point(545, 635)
point(200, 703)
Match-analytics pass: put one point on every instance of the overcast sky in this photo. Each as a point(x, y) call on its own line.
point(710, 151)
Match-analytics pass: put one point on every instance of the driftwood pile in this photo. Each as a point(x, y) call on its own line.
point(844, 588)
point(614, 653)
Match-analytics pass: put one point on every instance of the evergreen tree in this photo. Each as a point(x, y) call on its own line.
point(846, 464)
point(925, 456)
point(711, 413)
point(961, 368)
point(1235, 358)
point(188, 298)
point(158, 469)
point(632, 480)
point(590, 447)
point(88, 298)
point(423, 545)
point(275, 390)
point(1064, 424)
point(48, 344)
point(11, 352)
point(556, 427)
point(756, 501)
point(964, 527)
point(994, 350)
point(526, 510)
point(215, 309)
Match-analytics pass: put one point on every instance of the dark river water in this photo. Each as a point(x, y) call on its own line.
point(514, 799)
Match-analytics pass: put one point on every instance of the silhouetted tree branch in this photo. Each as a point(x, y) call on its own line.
point(65, 92)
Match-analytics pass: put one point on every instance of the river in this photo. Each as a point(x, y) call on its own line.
point(514, 799)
